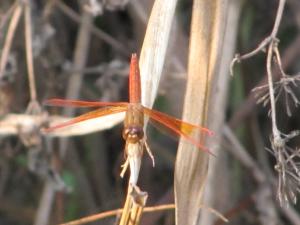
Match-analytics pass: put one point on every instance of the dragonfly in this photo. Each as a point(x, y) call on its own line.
point(135, 114)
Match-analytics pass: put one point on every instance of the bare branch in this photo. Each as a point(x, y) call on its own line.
point(288, 181)
point(238, 151)
point(263, 45)
point(99, 33)
point(9, 37)
point(29, 56)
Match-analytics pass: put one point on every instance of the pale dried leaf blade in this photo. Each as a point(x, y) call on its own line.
point(154, 48)
point(229, 16)
point(192, 165)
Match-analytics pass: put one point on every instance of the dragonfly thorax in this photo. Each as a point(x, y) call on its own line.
point(133, 123)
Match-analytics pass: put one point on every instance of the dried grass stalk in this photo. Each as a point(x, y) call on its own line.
point(133, 207)
point(151, 63)
point(192, 165)
point(229, 15)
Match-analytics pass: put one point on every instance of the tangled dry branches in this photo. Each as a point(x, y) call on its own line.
point(287, 158)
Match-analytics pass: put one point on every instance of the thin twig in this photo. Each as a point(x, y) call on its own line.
point(150, 209)
point(274, 41)
point(95, 30)
point(73, 90)
point(259, 48)
point(33, 106)
point(6, 16)
point(9, 37)
point(287, 170)
point(284, 85)
point(29, 56)
point(249, 104)
point(275, 130)
point(278, 18)
point(286, 187)
point(239, 152)
point(262, 46)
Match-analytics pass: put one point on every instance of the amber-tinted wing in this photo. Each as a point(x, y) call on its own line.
point(90, 115)
point(186, 130)
point(78, 103)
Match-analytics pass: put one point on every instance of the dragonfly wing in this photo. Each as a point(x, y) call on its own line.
point(78, 103)
point(89, 115)
point(186, 130)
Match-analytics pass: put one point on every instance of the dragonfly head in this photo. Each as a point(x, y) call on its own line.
point(133, 134)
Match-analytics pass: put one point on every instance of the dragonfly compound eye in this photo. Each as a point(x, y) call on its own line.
point(133, 134)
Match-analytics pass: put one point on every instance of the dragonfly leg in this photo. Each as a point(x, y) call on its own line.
point(149, 152)
point(124, 167)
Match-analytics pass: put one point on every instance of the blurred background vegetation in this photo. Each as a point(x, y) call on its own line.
point(87, 177)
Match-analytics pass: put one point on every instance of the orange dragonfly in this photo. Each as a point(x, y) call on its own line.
point(134, 118)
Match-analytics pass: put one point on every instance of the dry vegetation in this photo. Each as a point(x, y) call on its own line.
point(80, 49)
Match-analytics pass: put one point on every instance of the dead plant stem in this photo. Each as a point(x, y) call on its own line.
point(73, 90)
point(275, 131)
point(150, 209)
point(278, 18)
point(29, 55)
point(249, 105)
point(239, 152)
point(7, 15)
point(95, 30)
point(266, 42)
point(273, 45)
point(9, 37)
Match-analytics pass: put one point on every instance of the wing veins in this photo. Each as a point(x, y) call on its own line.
point(79, 103)
point(89, 115)
point(175, 125)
